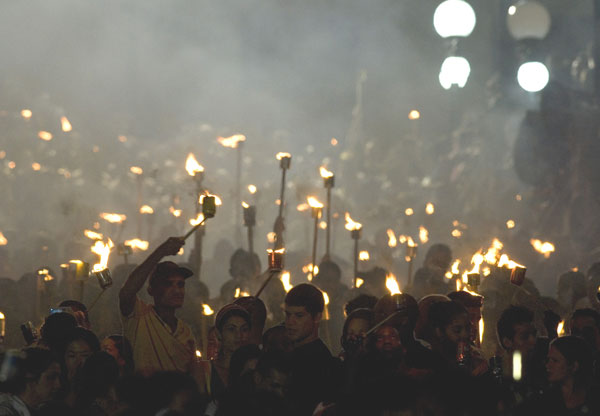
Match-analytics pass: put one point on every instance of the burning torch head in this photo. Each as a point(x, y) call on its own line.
point(517, 275)
point(104, 278)
point(275, 259)
point(209, 206)
point(249, 215)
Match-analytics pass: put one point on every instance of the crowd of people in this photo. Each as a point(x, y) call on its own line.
point(422, 352)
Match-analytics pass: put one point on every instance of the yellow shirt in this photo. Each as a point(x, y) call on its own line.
point(155, 346)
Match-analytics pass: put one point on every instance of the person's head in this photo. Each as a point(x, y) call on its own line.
point(387, 340)
point(233, 328)
point(167, 284)
point(97, 379)
point(585, 323)
point(243, 265)
point(472, 304)
point(272, 373)
point(55, 328)
point(407, 312)
point(243, 361)
point(258, 315)
point(304, 305)
point(439, 256)
point(363, 301)
point(570, 357)
point(37, 378)
point(275, 339)
point(516, 331)
point(451, 323)
point(120, 349)
point(78, 345)
point(80, 312)
point(423, 329)
point(329, 274)
point(357, 324)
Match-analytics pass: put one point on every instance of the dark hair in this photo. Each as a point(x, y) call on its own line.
point(308, 296)
point(587, 313)
point(274, 339)
point(76, 306)
point(273, 360)
point(239, 359)
point(361, 313)
point(125, 351)
point(227, 312)
point(255, 307)
point(55, 328)
point(99, 373)
point(363, 301)
point(576, 349)
point(510, 317)
point(30, 364)
point(441, 314)
point(466, 299)
point(79, 334)
point(162, 387)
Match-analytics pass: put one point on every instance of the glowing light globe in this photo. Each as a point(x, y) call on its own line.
point(454, 18)
point(528, 20)
point(533, 76)
point(455, 71)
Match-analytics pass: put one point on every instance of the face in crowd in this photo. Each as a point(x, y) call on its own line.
point(169, 292)
point(300, 324)
point(234, 334)
point(75, 355)
point(524, 339)
point(458, 331)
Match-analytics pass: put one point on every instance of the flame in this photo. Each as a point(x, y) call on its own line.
point(197, 220)
point(302, 207)
point(271, 237)
point(351, 225)
point(93, 235)
point(325, 173)
point(364, 255)
point(414, 115)
point(137, 243)
point(36, 166)
point(252, 189)
point(3, 240)
point(392, 241)
point(448, 275)
point(510, 224)
point(492, 253)
point(456, 233)
point(192, 166)
point(560, 329)
point(45, 135)
point(334, 141)
point(237, 292)
point(402, 239)
point(180, 252)
point(409, 212)
point(325, 298)
point(281, 155)
point(458, 285)
point(113, 218)
point(285, 280)
point(486, 271)
point(429, 208)
point(65, 124)
point(26, 113)
point(146, 209)
point(546, 248)
point(245, 205)
point(103, 250)
point(218, 201)
point(309, 270)
point(206, 310)
point(2, 316)
point(455, 265)
point(481, 329)
point(280, 250)
point(122, 138)
point(359, 282)
point(323, 225)
point(136, 170)
point(198, 353)
point(231, 141)
point(423, 234)
point(410, 242)
point(314, 202)
point(392, 284)
point(506, 261)
point(176, 212)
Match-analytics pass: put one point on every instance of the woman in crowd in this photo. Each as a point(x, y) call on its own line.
point(120, 349)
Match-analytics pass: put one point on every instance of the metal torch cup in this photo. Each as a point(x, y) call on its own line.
point(275, 259)
point(250, 216)
point(209, 206)
point(285, 162)
point(517, 276)
point(104, 278)
point(473, 280)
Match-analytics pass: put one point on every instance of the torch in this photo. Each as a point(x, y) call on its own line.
point(250, 222)
point(196, 171)
point(275, 261)
point(411, 253)
point(326, 318)
point(148, 211)
point(125, 250)
point(2, 328)
point(329, 183)
point(128, 247)
point(317, 211)
point(138, 172)
point(112, 218)
point(285, 161)
point(235, 142)
point(206, 312)
point(355, 229)
point(100, 270)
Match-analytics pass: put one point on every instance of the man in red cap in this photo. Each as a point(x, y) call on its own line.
point(160, 341)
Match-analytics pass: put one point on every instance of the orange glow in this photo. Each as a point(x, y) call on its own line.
point(218, 201)
point(414, 115)
point(506, 261)
point(334, 141)
point(192, 166)
point(492, 254)
point(197, 220)
point(308, 269)
point(271, 237)
point(481, 329)
point(113, 218)
point(146, 209)
point(176, 212)
point(392, 284)
point(207, 310)
point(325, 173)
point(364, 255)
point(456, 233)
point(314, 202)
point(36, 166)
point(350, 224)
point(45, 135)
point(3, 240)
point(392, 241)
point(546, 248)
point(302, 207)
point(281, 155)
point(103, 250)
point(231, 141)
point(122, 138)
point(252, 189)
point(410, 242)
point(429, 208)
point(323, 225)
point(423, 234)
point(136, 243)
point(409, 212)
point(245, 205)
point(65, 124)
point(510, 224)
point(93, 235)
point(26, 113)
point(136, 170)
point(454, 268)
point(402, 239)
point(560, 329)
point(285, 280)
point(359, 282)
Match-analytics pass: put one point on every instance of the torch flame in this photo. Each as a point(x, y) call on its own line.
point(137, 243)
point(207, 310)
point(113, 218)
point(285, 280)
point(546, 248)
point(231, 141)
point(325, 173)
point(423, 234)
point(3, 240)
point(65, 124)
point(392, 284)
point(402, 239)
point(197, 220)
point(409, 212)
point(510, 224)
point(429, 208)
point(481, 329)
point(325, 298)
point(103, 250)
point(359, 282)
point(410, 242)
point(245, 205)
point(93, 235)
point(281, 155)
point(364, 255)
point(560, 329)
point(176, 212)
point(392, 241)
point(45, 135)
point(198, 353)
point(218, 201)
point(302, 207)
point(414, 115)
point(350, 224)
point(455, 267)
point(506, 261)
point(252, 189)
point(314, 202)
point(456, 233)
point(192, 166)
point(26, 114)
point(146, 209)
point(136, 170)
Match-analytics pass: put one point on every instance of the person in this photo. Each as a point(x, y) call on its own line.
point(424, 333)
point(585, 323)
point(37, 380)
point(258, 316)
point(55, 327)
point(79, 311)
point(356, 326)
point(430, 278)
point(312, 366)
point(160, 341)
point(96, 388)
point(120, 349)
point(276, 339)
point(472, 303)
point(571, 289)
point(361, 301)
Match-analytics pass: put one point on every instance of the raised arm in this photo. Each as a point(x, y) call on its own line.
point(138, 277)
